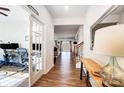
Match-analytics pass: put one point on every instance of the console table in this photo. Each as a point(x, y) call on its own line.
point(92, 67)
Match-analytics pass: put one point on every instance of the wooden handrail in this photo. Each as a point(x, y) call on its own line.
point(80, 44)
point(76, 48)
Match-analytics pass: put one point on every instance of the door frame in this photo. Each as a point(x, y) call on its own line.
point(32, 79)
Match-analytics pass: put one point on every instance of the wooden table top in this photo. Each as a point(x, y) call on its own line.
point(92, 67)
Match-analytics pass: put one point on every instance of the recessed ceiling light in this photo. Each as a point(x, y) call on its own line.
point(66, 7)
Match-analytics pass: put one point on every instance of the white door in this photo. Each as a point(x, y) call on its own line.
point(36, 50)
point(65, 46)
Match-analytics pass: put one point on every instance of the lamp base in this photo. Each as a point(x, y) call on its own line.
point(112, 74)
point(113, 83)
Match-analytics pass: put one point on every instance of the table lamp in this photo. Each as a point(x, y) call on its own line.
point(109, 41)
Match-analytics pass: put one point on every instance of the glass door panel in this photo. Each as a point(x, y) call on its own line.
point(36, 51)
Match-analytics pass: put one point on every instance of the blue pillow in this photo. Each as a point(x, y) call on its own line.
point(2, 54)
point(1, 63)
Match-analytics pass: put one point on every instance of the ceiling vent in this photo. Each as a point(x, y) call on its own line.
point(33, 9)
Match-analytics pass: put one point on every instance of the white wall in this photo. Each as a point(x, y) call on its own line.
point(80, 35)
point(121, 18)
point(93, 14)
point(15, 26)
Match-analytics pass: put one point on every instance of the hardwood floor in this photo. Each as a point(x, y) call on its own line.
point(63, 74)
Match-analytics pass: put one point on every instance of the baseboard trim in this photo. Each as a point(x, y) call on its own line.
point(49, 69)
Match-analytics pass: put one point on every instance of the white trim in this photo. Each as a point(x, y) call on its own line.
point(34, 77)
point(49, 69)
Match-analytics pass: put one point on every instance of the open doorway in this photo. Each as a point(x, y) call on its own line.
point(65, 36)
point(66, 46)
point(14, 47)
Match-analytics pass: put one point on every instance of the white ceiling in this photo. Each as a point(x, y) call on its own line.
point(66, 32)
point(71, 11)
point(64, 11)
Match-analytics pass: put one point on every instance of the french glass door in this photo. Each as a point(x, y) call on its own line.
point(36, 50)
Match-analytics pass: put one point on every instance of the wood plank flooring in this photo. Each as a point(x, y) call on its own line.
point(63, 74)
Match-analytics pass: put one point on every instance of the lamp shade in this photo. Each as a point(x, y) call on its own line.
point(110, 41)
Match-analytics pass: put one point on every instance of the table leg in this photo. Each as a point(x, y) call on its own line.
point(81, 71)
point(87, 78)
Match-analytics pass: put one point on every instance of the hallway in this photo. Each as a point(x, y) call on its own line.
point(63, 74)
